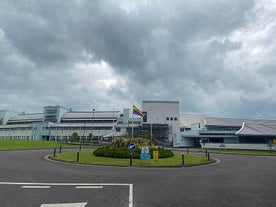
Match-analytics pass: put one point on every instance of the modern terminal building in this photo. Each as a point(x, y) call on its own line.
point(226, 133)
point(161, 121)
point(59, 123)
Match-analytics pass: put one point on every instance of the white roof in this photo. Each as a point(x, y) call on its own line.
point(215, 121)
point(90, 115)
point(26, 117)
point(83, 124)
point(16, 126)
point(257, 128)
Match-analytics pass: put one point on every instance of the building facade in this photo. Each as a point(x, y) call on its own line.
point(58, 123)
point(162, 115)
point(227, 133)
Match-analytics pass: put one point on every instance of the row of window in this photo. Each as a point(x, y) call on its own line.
point(15, 137)
point(82, 128)
point(17, 129)
point(171, 118)
point(223, 128)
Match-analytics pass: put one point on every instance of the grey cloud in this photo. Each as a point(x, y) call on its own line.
point(166, 50)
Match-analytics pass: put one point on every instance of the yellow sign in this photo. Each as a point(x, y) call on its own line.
point(155, 155)
point(274, 141)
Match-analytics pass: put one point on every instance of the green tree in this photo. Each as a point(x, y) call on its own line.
point(75, 137)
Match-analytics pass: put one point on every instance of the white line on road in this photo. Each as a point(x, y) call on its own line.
point(35, 186)
point(130, 195)
point(88, 187)
point(77, 184)
point(64, 205)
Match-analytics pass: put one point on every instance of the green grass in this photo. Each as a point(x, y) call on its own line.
point(243, 152)
point(30, 144)
point(87, 157)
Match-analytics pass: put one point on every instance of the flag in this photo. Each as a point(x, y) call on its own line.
point(137, 111)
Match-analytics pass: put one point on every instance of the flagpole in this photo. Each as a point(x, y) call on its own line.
point(132, 123)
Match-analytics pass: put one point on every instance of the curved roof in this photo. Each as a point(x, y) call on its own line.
point(215, 121)
point(257, 129)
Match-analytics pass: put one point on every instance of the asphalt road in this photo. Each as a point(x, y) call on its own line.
point(27, 179)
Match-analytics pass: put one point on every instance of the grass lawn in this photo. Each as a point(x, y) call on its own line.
point(87, 157)
point(30, 144)
point(243, 152)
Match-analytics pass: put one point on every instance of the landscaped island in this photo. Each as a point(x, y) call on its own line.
point(118, 154)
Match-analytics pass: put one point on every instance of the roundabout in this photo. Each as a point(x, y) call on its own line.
point(27, 179)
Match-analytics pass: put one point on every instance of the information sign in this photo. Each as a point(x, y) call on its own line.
point(145, 149)
point(144, 156)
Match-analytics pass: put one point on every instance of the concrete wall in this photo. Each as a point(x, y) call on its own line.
point(235, 146)
point(163, 112)
point(179, 141)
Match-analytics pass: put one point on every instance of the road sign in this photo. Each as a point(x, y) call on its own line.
point(131, 146)
point(274, 141)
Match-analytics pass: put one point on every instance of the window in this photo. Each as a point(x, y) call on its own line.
point(167, 118)
point(171, 118)
point(175, 118)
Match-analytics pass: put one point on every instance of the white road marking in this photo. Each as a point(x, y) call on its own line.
point(64, 205)
point(88, 187)
point(76, 184)
point(130, 199)
point(36, 186)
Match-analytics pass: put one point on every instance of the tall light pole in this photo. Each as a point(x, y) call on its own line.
point(92, 125)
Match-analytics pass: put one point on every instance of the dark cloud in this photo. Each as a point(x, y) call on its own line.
point(215, 56)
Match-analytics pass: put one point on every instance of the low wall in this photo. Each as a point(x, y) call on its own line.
point(236, 146)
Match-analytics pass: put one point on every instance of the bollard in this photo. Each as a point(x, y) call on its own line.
point(130, 159)
point(183, 159)
point(208, 156)
point(78, 156)
point(80, 148)
point(54, 152)
point(60, 149)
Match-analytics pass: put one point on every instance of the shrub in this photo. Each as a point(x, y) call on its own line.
point(122, 142)
point(107, 151)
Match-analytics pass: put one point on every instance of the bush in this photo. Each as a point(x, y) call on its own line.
point(107, 151)
point(122, 142)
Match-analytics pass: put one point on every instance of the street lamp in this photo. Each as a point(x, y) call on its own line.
point(92, 125)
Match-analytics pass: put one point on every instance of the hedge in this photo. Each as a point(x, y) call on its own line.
point(107, 151)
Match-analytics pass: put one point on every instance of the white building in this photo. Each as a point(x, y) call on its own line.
point(164, 113)
point(227, 133)
point(59, 123)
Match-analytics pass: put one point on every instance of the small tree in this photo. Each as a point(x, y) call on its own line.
point(75, 137)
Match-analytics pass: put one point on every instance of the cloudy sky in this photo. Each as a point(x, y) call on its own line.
point(214, 56)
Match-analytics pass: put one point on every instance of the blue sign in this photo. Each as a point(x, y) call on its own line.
point(131, 146)
point(145, 156)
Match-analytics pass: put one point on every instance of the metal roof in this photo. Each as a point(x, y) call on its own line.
point(12, 126)
point(26, 117)
point(215, 121)
point(83, 125)
point(257, 129)
point(89, 115)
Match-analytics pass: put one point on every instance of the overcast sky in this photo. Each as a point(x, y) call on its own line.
point(216, 57)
